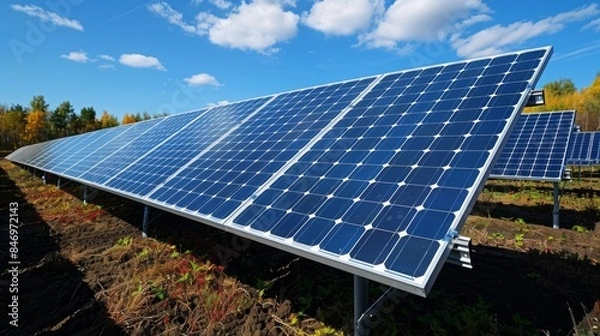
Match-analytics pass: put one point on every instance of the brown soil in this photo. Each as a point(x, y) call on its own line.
point(76, 273)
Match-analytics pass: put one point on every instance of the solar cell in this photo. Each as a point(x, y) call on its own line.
point(595, 148)
point(216, 182)
point(578, 152)
point(382, 192)
point(536, 148)
point(165, 159)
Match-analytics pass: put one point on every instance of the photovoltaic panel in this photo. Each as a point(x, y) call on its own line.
point(100, 163)
point(595, 148)
point(165, 159)
point(374, 176)
point(214, 184)
point(579, 149)
point(385, 189)
point(536, 148)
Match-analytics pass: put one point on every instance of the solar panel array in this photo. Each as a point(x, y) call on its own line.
point(584, 149)
point(536, 148)
point(374, 176)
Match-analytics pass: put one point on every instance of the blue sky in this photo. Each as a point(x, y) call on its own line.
point(174, 56)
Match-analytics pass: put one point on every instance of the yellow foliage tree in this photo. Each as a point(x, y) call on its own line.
point(36, 129)
point(108, 120)
point(128, 119)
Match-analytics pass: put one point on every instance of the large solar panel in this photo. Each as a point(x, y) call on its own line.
point(595, 149)
point(536, 148)
point(374, 176)
point(579, 150)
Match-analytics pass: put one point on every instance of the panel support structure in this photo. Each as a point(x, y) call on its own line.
point(44, 178)
point(85, 194)
point(145, 224)
point(58, 183)
point(556, 206)
point(361, 303)
point(371, 316)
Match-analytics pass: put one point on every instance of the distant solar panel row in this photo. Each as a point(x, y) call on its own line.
point(373, 176)
point(536, 148)
point(584, 149)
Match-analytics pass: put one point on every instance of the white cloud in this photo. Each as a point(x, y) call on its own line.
point(141, 61)
point(77, 56)
point(48, 16)
point(202, 79)
point(422, 21)
point(594, 25)
point(107, 58)
point(219, 103)
point(495, 39)
point(258, 26)
point(341, 17)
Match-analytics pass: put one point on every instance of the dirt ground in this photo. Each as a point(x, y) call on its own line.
point(527, 278)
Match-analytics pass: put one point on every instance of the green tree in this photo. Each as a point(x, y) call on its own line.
point(13, 128)
point(61, 118)
point(38, 103)
point(561, 87)
point(87, 116)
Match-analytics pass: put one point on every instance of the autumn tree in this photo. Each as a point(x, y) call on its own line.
point(36, 129)
point(128, 119)
point(108, 120)
point(12, 126)
point(590, 106)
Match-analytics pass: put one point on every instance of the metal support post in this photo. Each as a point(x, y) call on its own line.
point(556, 206)
point(44, 178)
point(85, 192)
point(145, 222)
point(361, 302)
point(58, 183)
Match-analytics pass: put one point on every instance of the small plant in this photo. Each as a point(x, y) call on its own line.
point(519, 239)
point(159, 293)
point(125, 241)
point(498, 235)
point(145, 252)
point(579, 228)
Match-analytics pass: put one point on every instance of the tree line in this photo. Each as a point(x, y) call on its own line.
point(563, 95)
point(21, 125)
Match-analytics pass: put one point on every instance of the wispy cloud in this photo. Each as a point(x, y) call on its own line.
point(77, 56)
point(48, 16)
point(107, 58)
point(165, 11)
point(582, 51)
point(497, 38)
point(219, 103)
point(222, 4)
point(141, 61)
point(202, 79)
point(106, 67)
point(415, 21)
point(594, 25)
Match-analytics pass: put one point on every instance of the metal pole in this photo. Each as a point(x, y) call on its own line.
point(361, 303)
point(44, 178)
point(85, 194)
point(58, 183)
point(556, 206)
point(145, 222)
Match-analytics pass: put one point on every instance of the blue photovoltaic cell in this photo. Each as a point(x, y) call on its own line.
point(79, 163)
point(536, 148)
point(89, 165)
point(374, 176)
point(217, 182)
point(112, 164)
point(579, 149)
point(595, 149)
point(386, 186)
point(164, 160)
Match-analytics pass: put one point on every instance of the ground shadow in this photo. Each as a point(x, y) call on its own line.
point(52, 296)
